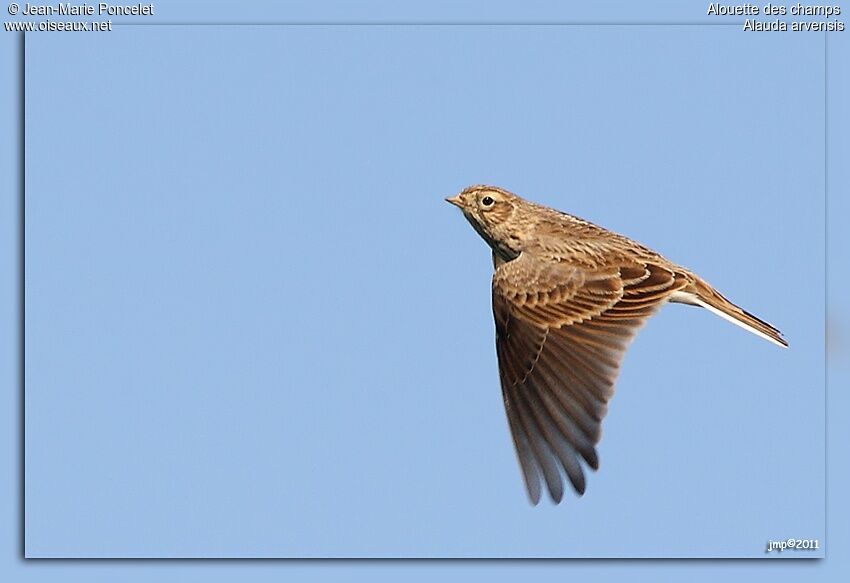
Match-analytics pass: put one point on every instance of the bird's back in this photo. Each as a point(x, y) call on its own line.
point(566, 238)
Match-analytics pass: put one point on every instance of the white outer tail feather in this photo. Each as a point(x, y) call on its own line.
point(694, 300)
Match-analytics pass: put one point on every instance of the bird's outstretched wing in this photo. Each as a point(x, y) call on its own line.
point(561, 332)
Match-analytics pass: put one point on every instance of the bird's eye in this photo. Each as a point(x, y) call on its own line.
point(487, 201)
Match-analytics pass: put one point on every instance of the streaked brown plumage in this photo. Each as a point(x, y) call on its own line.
point(568, 297)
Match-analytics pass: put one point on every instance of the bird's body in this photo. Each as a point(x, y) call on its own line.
point(568, 297)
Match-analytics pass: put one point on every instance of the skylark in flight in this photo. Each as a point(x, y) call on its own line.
point(568, 297)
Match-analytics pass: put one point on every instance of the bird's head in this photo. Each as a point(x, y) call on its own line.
point(496, 215)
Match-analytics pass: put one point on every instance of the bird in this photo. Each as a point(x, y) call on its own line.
point(568, 298)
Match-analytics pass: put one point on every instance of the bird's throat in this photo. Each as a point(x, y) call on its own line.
point(501, 251)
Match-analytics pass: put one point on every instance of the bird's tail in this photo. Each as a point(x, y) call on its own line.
point(701, 294)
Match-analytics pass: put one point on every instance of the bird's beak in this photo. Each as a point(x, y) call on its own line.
point(455, 200)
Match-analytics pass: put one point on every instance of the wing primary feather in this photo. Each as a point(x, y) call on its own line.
point(525, 455)
point(566, 425)
point(538, 444)
point(563, 451)
point(571, 399)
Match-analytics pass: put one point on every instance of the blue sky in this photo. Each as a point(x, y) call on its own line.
point(257, 327)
